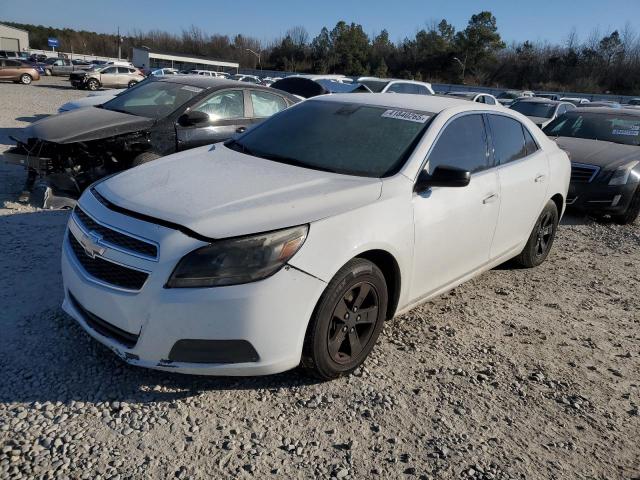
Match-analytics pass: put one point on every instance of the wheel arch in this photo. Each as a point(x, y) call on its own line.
point(558, 199)
point(388, 264)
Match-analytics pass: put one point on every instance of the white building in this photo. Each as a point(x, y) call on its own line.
point(146, 58)
point(13, 39)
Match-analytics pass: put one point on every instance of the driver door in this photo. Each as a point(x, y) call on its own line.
point(227, 112)
point(454, 227)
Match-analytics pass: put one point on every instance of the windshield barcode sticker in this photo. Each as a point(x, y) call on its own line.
point(403, 115)
point(628, 133)
point(189, 88)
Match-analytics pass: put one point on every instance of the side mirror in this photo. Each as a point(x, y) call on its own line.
point(442, 176)
point(194, 117)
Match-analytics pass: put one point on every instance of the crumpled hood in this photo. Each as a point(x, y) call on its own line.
point(218, 192)
point(83, 125)
point(607, 155)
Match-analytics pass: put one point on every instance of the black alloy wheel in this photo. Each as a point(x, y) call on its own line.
point(546, 228)
point(352, 323)
point(347, 320)
point(541, 238)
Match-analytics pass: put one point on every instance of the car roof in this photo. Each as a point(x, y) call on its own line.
point(612, 111)
point(540, 100)
point(426, 103)
point(207, 82)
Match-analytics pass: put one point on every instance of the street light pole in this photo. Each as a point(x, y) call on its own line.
point(257, 54)
point(463, 65)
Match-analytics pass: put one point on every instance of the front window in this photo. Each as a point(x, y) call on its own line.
point(535, 109)
point(624, 129)
point(344, 138)
point(224, 105)
point(153, 99)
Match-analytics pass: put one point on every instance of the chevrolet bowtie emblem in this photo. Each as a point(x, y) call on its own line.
point(91, 244)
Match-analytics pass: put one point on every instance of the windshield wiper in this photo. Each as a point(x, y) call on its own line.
point(293, 162)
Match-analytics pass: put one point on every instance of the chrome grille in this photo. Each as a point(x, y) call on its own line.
point(115, 238)
point(106, 271)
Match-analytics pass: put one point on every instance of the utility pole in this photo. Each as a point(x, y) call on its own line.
point(119, 44)
point(463, 65)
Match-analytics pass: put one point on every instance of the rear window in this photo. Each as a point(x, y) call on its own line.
point(535, 109)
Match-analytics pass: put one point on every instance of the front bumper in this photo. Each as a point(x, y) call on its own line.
point(270, 316)
point(598, 198)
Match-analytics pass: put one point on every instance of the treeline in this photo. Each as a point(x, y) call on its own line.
point(476, 55)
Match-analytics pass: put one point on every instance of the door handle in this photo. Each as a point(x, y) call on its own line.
point(540, 178)
point(490, 199)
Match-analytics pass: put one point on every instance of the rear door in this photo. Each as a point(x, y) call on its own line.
point(228, 111)
point(3, 69)
point(523, 171)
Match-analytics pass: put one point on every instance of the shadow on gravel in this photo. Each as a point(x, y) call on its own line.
point(32, 118)
point(57, 87)
point(46, 356)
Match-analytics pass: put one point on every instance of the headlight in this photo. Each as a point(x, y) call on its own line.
point(622, 174)
point(238, 260)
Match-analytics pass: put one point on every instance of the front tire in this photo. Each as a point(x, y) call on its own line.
point(144, 157)
point(632, 212)
point(26, 79)
point(541, 239)
point(93, 84)
point(347, 320)
point(132, 83)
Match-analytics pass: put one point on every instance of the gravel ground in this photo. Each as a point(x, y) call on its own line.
point(516, 374)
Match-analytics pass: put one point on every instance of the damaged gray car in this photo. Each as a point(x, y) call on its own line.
point(155, 118)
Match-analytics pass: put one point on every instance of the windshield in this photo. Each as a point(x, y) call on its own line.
point(535, 109)
point(155, 99)
point(509, 95)
point(607, 127)
point(337, 137)
point(376, 86)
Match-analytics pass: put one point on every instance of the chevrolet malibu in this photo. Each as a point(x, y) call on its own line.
point(293, 243)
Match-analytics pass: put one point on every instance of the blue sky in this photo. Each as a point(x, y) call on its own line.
point(548, 21)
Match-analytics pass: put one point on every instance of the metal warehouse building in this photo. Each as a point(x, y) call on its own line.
point(146, 58)
point(14, 39)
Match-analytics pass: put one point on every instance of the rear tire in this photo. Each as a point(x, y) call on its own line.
point(632, 212)
point(144, 157)
point(26, 79)
point(346, 321)
point(541, 239)
point(93, 84)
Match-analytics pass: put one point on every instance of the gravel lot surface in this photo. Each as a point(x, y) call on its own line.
point(516, 374)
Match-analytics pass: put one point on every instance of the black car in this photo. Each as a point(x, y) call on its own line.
point(604, 146)
point(153, 119)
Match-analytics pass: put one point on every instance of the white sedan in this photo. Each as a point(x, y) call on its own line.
point(293, 243)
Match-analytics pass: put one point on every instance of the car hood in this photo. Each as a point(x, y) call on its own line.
point(607, 155)
point(218, 192)
point(86, 102)
point(82, 125)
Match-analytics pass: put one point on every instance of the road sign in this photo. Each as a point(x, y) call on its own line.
point(53, 42)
